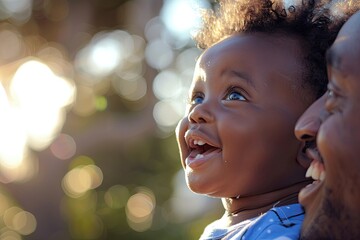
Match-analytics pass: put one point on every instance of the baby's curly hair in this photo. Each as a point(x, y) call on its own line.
point(307, 20)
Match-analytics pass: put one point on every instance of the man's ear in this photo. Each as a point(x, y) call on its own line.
point(302, 157)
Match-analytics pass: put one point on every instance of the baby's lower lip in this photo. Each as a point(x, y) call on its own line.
point(195, 161)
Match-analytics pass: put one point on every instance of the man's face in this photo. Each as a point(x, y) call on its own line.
point(237, 136)
point(332, 202)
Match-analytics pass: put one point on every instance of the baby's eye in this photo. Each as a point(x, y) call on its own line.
point(235, 96)
point(197, 98)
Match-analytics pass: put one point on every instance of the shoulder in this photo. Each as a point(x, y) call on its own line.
point(215, 230)
point(280, 223)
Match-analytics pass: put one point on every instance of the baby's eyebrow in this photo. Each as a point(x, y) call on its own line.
point(242, 76)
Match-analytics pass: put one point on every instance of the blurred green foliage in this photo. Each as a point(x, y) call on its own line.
point(129, 158)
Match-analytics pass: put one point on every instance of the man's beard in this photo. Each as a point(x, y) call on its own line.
point(333, 221)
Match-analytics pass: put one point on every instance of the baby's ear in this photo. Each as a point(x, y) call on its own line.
point(302, 157)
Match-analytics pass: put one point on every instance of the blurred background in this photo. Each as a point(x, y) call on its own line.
point(90, 94)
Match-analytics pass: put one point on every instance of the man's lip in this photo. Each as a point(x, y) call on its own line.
point(317, 172)
point(314, 154)
point(308, 193)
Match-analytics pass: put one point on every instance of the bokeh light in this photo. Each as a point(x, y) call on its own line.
point(90, 94)
point(64, 147)
point(182, 16)
point(140, 208)
point(82, 179)
point(131, 89)
point(12, 139)
point(21, 171)
point(167, 85)
point(9, 235)
point(159, 54)
point(33, 112)
point(167, 113)
point(35, 84)
point(105, 53)
point(40, 97)
point(4, 203)
point(12, 45)
point(17, 10)
point(154, 29)
point(19, 220)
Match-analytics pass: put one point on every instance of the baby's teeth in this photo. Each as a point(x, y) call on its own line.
point(199, 156)
point(200, 142)
point(309, 171)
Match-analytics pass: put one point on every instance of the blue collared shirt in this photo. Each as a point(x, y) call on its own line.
point(279, 223)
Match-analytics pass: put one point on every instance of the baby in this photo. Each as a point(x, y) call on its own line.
point(263, 65)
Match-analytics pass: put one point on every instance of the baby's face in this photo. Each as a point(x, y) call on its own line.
point(237, 137)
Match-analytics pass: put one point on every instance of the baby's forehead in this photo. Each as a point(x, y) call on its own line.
point(266, 60)
point(264, 49)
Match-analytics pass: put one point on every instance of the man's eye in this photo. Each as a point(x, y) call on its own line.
point(331, 102)
point(330, 93)
point(235, 96)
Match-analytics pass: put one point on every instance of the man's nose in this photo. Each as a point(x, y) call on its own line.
point(309, 123)
point(306, 129)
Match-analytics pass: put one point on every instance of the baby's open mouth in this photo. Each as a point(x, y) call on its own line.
point(199, 148)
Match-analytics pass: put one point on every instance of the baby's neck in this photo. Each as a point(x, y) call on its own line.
point(242, 208)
